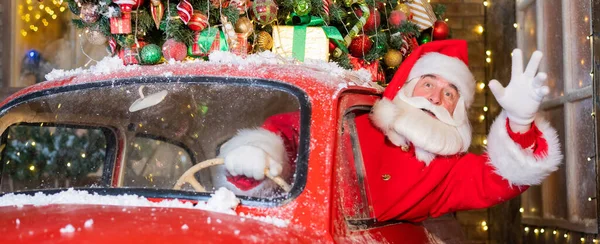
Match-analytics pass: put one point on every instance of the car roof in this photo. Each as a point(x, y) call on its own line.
point(321, 82)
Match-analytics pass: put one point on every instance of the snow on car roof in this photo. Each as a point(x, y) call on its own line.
point(222, 201)
point(328, 73)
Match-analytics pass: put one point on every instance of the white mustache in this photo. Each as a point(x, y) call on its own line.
point(422, 103)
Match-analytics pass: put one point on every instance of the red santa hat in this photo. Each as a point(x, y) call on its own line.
point(447, 58)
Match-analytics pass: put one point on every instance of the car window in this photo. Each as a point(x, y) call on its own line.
point(352, 189)
point(167, 126)
point(50, 157)
point(154, 163)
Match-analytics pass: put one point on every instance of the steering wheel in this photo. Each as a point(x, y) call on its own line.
point(188, 176)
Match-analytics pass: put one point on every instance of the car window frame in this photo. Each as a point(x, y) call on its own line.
point(346, 107)
point(305, 111)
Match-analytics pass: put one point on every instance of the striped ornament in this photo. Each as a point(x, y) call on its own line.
point(185, 10)
point(198, 22)
point(423, 15)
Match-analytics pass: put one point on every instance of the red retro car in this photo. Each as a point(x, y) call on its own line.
point(148, 131)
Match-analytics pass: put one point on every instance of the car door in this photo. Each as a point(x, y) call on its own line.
point(353, 218)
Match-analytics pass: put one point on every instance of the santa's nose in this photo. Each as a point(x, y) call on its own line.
point(434, 98)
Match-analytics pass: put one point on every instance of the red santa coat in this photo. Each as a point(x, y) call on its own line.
point(403, 188)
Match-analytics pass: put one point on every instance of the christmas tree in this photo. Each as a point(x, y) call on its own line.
point(34, 152)
point(354, 33)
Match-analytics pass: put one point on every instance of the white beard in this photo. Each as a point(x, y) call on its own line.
point(404, 123)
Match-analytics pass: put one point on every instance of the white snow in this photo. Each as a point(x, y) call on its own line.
point(222, 201)
point(67, 229)
point(185, 227)
point(88, 223)
point(115, 65)
point(268, 219)
point(18, 222)
point(105, 66)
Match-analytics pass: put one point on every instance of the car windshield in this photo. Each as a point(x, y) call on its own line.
point(135, 136)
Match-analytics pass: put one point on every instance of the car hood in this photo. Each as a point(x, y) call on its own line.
point(62, 223)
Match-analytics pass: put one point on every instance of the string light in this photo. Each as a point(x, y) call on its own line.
point(526, 229)
point(479, 29)
point(542, 230)
point(555, 232)
point(481, 85)
point(521, 210)
point(516, 25)
point(485, 3)
point(36, 14)
point(485, 109)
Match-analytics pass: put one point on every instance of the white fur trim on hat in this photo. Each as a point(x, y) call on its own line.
point(452, 69)
point(518, 165)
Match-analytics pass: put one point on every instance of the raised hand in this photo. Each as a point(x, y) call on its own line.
point(522, 97)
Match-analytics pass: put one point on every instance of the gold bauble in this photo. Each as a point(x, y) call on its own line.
point(392, 58)
point(264, 41)
point(244, 26)
point(95, 37)
point(404, 8)
point(155, 2)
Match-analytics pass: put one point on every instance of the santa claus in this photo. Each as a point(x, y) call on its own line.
point(414, 143)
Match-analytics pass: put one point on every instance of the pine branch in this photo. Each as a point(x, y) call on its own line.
point(409, 28)
point(395, 41)
point(379, 48)
point(439, 11)
point(343, 61)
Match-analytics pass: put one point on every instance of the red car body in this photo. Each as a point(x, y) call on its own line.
point(316, 214)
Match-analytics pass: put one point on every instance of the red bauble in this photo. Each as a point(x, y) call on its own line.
point(360, 45)
point(172, 49)
point(440, 30)
point(396, 18)
point(373, 22)
point(129, 4)
point(198, 22)
point(138, 3)
point(332, 46)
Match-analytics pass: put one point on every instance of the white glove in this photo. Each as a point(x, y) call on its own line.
point(522, 97)
point(251, 162)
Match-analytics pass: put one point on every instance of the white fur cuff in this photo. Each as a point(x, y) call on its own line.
point(268, 141)
point(518, 165)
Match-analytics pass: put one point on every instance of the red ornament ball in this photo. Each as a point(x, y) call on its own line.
point(360, 45)
point(332, 46)
point(373, 22)
point(264, 11)
point(396, 18)
point(173, 49)
point(440, 30)
point(198, 21)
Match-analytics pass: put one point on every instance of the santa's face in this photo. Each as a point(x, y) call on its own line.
point(438, 91)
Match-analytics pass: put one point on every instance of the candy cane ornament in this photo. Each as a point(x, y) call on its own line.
point(185, 10)
point(357, 27)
